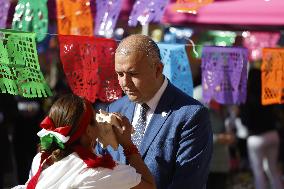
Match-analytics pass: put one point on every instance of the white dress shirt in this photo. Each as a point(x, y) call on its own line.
point(152, 103)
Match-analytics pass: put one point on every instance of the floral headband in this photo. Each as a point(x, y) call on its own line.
point(59, 135)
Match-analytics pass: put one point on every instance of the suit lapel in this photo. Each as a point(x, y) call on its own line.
point(129, 110)
point(159, 117)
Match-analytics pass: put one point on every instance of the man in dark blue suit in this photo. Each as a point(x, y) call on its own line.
point(176, 142)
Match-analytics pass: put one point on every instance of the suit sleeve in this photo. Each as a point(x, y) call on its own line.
point(194, 152)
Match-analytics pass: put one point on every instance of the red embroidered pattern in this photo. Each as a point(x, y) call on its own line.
point(88, 63)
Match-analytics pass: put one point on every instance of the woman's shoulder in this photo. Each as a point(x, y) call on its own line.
point(121, 176)
point(120, 170)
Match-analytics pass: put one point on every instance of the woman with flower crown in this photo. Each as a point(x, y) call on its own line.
point(67, 159)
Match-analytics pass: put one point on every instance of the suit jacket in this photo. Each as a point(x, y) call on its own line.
point(177, 145)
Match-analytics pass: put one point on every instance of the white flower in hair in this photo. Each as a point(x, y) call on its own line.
point(45, 132)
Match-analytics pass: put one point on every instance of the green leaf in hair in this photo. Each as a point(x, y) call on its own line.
point(47, 141)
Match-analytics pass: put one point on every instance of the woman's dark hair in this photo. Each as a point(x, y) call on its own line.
point(67, 110)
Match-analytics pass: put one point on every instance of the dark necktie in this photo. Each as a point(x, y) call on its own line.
point(140, 125)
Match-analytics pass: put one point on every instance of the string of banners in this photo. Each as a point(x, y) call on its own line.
point(88, 63)
point(77, 17)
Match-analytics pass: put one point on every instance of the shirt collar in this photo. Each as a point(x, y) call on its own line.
point(153, 102)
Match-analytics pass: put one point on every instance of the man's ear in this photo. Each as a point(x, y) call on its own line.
point(159, 68)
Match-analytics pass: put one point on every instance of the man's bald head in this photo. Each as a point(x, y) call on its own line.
point(139, 43)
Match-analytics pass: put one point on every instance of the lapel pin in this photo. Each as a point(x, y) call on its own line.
point(164, 114)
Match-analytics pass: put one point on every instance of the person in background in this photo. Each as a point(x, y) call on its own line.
point(172, 130)
point(222, 138)
point(263, 140)
point(238, 151)
point(66, 159)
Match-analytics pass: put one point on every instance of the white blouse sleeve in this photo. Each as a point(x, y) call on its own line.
point(121, 177)
point(35, 165)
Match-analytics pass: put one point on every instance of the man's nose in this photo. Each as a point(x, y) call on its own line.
point(125, 80)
